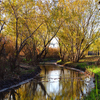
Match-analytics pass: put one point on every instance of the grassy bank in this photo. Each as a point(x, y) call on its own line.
point(88, 64)
point(95, 94)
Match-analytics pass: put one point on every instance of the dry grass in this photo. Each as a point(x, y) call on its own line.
point(91, 58)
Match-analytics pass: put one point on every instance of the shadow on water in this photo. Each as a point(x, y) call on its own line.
point(1, 96)
point(53, 83)
point(12, 95)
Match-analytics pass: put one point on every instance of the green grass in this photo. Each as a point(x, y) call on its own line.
point(82, 65)
point(94, 69)
point(94, 94)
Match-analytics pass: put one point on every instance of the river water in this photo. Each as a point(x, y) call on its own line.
point(52, 83)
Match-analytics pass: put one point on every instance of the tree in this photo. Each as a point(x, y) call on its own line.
point(2, 24)
point(19, 17)
point(28, 21)
point(80, 31)
point(95, 47)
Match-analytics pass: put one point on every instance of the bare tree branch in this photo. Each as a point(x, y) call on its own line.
point(2, 27)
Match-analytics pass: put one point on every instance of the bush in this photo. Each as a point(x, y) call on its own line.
point(53, 53)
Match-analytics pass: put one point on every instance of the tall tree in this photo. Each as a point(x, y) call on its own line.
point(82, 28)
point(20, 14)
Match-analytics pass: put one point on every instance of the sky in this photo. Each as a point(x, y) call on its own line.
point(54, 43)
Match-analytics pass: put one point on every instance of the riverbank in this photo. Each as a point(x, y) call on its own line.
point(22, 74)
point(29, 72)
point(88, 65)
point(25, 73)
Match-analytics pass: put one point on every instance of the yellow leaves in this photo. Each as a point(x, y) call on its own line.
point(78, 6)
point(33, 12)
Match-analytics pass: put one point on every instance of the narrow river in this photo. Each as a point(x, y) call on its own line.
point(53, 83)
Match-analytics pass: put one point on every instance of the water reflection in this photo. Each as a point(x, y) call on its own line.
point(53, 83)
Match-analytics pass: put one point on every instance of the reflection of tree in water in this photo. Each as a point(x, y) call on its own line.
point(1, 96)
point(69, 87)
point(29, 91)
point(13, 95)
point(10, 96)
point(43, 87)
point(45, 69)
point(62, 70)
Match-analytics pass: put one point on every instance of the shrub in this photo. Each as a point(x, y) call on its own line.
point(53, 53)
